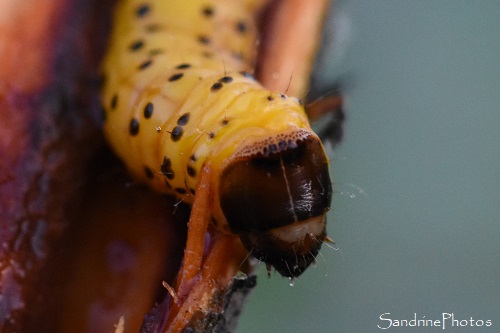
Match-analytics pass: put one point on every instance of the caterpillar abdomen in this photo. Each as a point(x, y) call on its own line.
point(178, 97)
point(149, 36)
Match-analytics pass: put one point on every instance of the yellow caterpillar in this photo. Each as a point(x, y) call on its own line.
point(178, 100)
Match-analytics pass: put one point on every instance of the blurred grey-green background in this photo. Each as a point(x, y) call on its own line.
point(416, 208)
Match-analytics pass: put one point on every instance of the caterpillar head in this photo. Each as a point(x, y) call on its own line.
point(275, 194)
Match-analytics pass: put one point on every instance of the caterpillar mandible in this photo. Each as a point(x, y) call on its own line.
point(187, 118)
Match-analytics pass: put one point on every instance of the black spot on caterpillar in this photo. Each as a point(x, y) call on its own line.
point(175, 110)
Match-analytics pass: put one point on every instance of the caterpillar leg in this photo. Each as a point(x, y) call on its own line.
point(328, 107)
point(197, 229)
point(204, 274)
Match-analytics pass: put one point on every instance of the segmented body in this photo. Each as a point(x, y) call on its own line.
point(177, 85)
point(178, 97)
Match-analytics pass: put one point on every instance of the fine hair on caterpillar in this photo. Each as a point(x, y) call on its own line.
point(190, 125)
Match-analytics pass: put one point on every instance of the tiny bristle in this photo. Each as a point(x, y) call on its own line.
point(329, 240)
point(268, 268)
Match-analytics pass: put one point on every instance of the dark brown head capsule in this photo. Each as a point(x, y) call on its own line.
point(277, 202)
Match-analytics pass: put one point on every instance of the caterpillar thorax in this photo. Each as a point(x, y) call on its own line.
point(178, 96)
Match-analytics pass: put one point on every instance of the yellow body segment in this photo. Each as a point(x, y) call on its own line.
point(177, 94)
